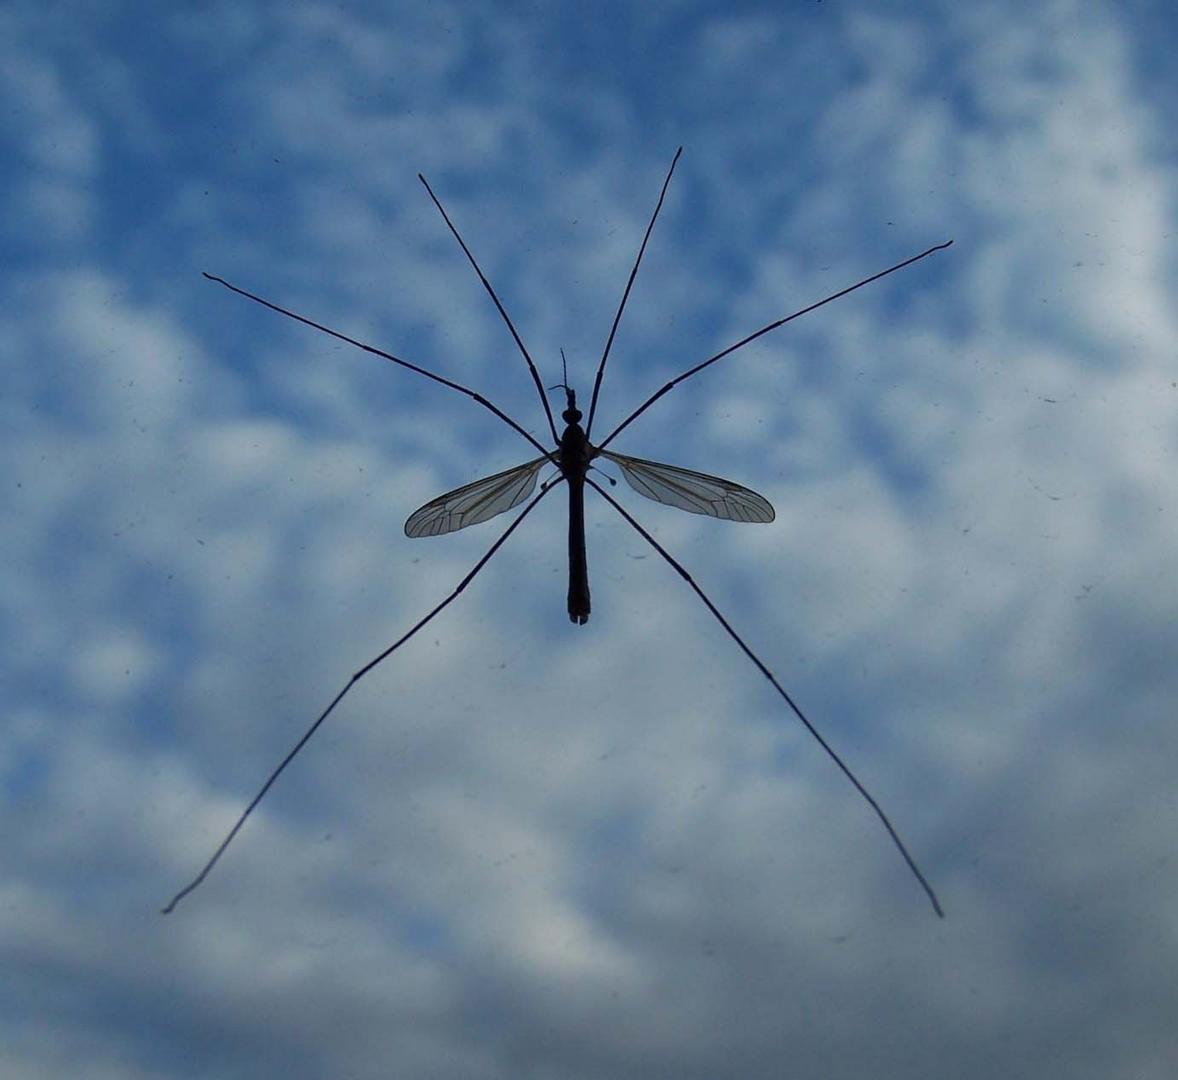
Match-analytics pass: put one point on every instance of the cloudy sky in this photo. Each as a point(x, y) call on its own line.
point(522, 848)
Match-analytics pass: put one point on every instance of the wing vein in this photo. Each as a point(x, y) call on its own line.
point(475, 502)
point(695, 492)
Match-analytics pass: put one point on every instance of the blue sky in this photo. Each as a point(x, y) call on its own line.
point(524, 848)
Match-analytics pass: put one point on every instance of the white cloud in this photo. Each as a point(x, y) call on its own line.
point(521, 846)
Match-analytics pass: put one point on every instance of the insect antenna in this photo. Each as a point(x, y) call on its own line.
point(348, 686)
point(564, 376)
point(502, 310)
point(626, 294)
point(782, 692)
point(753, 337)
point(383, 355)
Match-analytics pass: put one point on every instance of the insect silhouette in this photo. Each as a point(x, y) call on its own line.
point(573, 459)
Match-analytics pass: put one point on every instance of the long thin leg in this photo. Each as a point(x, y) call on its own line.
point(784, 694)
point(340, 696)
point(502, 310)
point(384, 355)
point(626, 295)
point(753, 337)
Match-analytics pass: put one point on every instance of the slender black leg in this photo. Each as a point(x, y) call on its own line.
point(340, 696)
point(384, 355)
point(784, 694)
point(502, 310)
point(753, 337)
point(626, 295)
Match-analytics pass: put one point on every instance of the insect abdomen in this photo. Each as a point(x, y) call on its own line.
point(578, 564)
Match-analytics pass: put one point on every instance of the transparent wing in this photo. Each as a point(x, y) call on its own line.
point(693, 491)
point(476, 502)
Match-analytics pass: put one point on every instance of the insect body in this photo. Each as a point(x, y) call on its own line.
point(575, 455)
point(696, 492)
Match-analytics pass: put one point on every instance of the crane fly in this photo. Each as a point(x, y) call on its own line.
point(573, 458)
point(671, 485)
